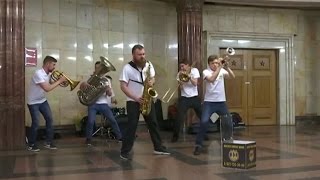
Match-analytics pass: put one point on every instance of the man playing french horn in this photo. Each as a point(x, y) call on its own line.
point(136, 80)
point(101, 106)
point(188, 82)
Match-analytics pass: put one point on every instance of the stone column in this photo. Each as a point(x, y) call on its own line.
point(190, 37)
point(12, 75)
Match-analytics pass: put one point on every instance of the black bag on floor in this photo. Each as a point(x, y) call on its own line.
point(166, 125)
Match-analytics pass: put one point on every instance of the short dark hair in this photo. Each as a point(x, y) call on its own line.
point(186, 62)
point(48, 59)
point(137, 46)
point(98, 62)
point(212, 58)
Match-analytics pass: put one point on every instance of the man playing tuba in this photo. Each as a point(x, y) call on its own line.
point(100, 105)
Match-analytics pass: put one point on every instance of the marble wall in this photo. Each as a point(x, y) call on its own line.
point(77, 32)
point(305, 25)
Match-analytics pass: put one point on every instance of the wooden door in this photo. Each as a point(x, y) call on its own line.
point(253, 92)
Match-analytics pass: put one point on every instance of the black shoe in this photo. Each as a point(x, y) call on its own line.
point(161, 151)
point(174, 138)
point(197, 151)
point(125, 157)
point(33, 148)
point(50, 146)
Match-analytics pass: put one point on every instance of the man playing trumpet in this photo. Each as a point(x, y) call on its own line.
point(215, 99)
point(188, 82)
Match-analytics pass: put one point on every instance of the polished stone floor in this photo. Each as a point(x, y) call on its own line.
point(285, 152)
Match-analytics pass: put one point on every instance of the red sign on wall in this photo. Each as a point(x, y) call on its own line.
point(30, 57)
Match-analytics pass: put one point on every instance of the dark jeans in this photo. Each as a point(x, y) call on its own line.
point(133, 111)
point(225, 119)
point(105, 110)
point(35, 110)
point(184, 104)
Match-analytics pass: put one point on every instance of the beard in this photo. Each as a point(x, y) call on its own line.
point(140, 62)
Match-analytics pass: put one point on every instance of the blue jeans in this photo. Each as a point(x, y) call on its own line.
point(45, 110)
point(208, 108)
point(105, 110)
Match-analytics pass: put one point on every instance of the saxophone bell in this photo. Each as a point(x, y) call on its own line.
point(152, 93)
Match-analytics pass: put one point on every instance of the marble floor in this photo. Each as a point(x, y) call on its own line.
point(285, 152)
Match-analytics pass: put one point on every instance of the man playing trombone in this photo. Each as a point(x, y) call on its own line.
point(188, 82)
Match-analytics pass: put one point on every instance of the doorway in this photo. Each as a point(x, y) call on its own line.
point(253, 93)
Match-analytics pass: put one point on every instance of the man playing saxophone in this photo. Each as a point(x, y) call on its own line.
point(133, 80)
point(101, 106)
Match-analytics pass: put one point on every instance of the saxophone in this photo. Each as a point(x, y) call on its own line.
point(148, 94)
point(98, 84)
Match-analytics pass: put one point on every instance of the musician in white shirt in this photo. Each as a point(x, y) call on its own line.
point(189, 96)
point(132, 85)
point(37, 102)
point(215, 99)
point(100, 106)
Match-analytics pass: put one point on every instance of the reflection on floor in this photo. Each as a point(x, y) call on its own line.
point(285, 152)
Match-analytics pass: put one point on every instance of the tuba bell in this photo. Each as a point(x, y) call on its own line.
point(55, 76)
point(98, 83)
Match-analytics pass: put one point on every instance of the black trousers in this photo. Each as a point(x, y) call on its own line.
point(183, 105)
point(133, 111)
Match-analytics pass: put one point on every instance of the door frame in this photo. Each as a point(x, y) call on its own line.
point(213, 41)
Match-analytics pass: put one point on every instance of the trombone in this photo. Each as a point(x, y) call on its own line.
point(56, 75)
point(182, 77)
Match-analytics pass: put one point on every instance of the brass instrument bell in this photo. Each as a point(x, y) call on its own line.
point(55, 76)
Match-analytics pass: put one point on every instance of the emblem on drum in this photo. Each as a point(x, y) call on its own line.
point(233, 155)
point(251, 155)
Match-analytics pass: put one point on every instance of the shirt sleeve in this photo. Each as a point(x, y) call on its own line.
point(195, 73)
point(206, 73)
point(152, 71)
point(112, 92)
point(124, 75)
point(38, 78)
point(224, 72)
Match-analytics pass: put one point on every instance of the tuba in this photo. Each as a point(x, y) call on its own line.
point(148, 94)
point(98, 83)
point(55, 75)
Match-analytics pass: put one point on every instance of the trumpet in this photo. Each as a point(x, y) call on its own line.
point(55, 76)
point(229, 52)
